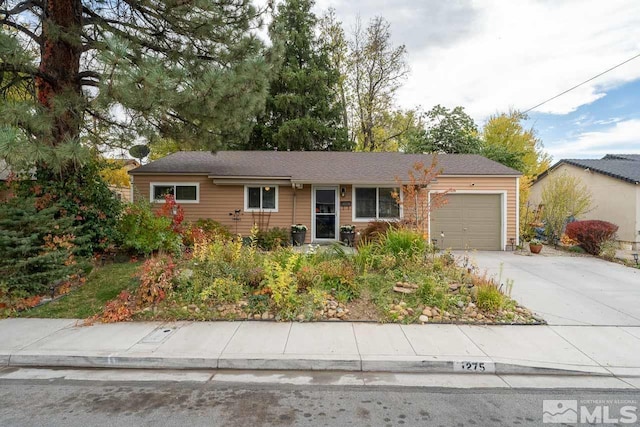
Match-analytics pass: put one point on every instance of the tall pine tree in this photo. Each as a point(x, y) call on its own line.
point(303, 110)
point(108, 73)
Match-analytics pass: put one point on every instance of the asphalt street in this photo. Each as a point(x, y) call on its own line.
point(59, 402)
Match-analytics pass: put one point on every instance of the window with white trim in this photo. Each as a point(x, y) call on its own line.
point(261, 198)
point(182, 192)
point(375, 203)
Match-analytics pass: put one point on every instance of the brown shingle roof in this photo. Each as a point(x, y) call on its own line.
point(317, 166)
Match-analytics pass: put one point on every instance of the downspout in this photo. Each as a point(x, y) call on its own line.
point(131, 188)
point(295, 196)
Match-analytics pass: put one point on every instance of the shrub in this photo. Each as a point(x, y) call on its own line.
point(374, 231)
point(563, 196)
point(281, 282)
point(273, 238)
point(431, 293)
point(337, 276)
point(608, 249)
point(157, 278)
point(82, 196)
point(222, 289)
point(591, 234)
point(37, 246)
point(204, 229)
point(144, 232)
point(489, 298)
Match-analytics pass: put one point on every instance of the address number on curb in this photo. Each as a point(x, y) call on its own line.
point(476, 367)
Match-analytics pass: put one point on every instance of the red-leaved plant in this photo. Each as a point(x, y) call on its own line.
point(591, 234)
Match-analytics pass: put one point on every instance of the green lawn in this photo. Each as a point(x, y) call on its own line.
point(103, 284)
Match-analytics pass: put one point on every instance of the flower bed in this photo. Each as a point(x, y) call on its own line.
point(392, 279)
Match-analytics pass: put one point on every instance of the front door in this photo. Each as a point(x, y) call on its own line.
point(325, 213)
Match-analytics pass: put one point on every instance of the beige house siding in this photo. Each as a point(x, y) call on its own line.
point(218, 201)
point(614, 200)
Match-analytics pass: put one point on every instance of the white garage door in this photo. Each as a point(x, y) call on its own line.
point(469, 221)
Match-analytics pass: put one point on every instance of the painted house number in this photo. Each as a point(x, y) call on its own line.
point(474, 367)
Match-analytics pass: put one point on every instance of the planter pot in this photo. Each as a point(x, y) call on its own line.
point(535, 249)
point(298, 237)
point(348, 237)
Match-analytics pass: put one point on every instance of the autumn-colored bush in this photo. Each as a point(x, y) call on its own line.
point(204, 229)
point(157, 277)
point(591, 234)
point(374, 231)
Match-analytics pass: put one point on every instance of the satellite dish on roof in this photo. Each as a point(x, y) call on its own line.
point(139, 152)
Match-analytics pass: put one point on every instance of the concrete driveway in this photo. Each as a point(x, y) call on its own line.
point(569, 290)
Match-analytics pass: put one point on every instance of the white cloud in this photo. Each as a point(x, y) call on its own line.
point(622, 137)
point(490, 55)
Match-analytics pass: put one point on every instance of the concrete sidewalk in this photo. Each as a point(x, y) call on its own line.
point(592, 350)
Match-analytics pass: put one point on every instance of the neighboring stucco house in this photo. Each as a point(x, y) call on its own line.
point(324, 190)
point(613, 181)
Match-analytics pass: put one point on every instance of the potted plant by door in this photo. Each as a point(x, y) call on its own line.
point(535, 246)
point(298, 234)
point(348, 234)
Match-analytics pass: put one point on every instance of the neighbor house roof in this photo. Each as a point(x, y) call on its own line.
point(317, 166)
point(625, 167)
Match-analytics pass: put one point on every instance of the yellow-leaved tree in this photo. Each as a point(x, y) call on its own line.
point(507, 141)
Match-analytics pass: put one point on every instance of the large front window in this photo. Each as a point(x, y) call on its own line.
point(376, 203)
point(183, 193)
point(261, 198)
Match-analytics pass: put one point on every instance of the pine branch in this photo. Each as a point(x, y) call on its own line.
point(21, 28)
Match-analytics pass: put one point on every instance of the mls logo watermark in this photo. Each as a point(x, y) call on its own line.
point(590, 412)
point(559, 411)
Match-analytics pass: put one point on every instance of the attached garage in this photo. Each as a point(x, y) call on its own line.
point(469, 221)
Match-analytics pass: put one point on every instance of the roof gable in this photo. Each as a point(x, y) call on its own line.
point(625, 167)
point(318, 166)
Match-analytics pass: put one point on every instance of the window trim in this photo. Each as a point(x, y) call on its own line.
point(377, 217)
point(174, 184)
point(261, 186)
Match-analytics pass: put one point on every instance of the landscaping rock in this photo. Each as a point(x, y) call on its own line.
point(454, 287)
point(403, 290)
point(427, 312)
point(460, 304)
point(265, 315)
point(537, 318)
point(423, 318)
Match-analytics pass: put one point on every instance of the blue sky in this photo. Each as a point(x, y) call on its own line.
point(609, 124)
point(492, 55)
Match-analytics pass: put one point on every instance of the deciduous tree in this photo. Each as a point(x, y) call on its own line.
point(448, 131)
point(563, 196)
point(377, 71)
point(506, 141)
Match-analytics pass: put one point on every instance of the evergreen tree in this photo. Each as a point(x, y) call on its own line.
point(303, 110)
point(107, 73)
point(37, 246)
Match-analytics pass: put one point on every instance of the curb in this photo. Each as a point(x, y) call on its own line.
point(352, 363)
